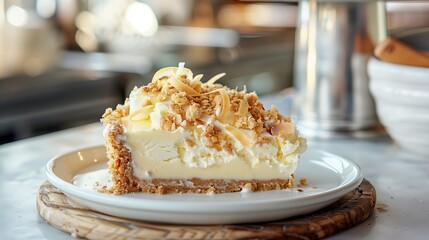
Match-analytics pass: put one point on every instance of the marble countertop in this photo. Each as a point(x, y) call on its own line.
point(401, 180)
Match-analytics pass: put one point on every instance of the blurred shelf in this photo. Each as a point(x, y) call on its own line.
point(55, 100)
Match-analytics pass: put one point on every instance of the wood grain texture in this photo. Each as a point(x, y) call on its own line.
point(58, 210)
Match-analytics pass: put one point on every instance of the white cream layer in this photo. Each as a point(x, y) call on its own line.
point(164, 154)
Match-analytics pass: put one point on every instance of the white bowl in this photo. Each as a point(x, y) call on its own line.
point(401, 95)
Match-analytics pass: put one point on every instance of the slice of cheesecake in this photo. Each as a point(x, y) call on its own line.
point(180, 135)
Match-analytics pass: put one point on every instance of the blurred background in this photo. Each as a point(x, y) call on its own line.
point(63, 62)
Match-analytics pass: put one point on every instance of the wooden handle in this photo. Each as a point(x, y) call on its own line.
point(394, 51)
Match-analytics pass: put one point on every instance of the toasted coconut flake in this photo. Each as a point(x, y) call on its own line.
point(141, 114)
point(163, 72)
point(243, 108)
point(226, 105)
point(215, 78)
point(180, 68)
point(196, 80)
point(179, 85)
point(211, 92)
point(283, 128)
point(242, 137)
point(170, 71)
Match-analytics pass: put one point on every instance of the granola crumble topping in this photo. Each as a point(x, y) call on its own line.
point(190, 99)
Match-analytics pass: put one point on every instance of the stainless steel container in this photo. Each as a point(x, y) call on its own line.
point(333, 43)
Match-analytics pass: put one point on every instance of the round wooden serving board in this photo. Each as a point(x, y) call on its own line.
point(64, 214)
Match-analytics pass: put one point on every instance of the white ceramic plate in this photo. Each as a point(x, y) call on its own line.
point(329, 177)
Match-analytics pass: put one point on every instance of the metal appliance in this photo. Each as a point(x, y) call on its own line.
point(333, 43)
